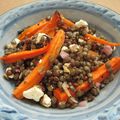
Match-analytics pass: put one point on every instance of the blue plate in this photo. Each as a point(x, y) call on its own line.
point(106, 106)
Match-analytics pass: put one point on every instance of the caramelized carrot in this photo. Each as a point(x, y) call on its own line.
point(52, 24)
point(61, 96)
point(101, 41)
point(39, 71)
point(24, 55)
point(32, 30)
point(67, 23)
point(43, 26)
point(101, 73)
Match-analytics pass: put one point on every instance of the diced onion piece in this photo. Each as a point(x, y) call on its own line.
point(64, 55)
point(107, 50)
point(83, 103)
point(98, 84)
point(65, 88)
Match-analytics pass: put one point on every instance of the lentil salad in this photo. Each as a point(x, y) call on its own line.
point(70, 78)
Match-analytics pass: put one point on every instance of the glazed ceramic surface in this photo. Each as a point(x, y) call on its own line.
point(106, 106)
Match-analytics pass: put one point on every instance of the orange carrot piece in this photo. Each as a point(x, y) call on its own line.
point(39, 71)
point(52, 24)
point(28, 32)
point(67, 22)
point(92, 53)
point(101, 41)
point(24, 55)
point(43, 26)
point(101, 73)
point(59, 95)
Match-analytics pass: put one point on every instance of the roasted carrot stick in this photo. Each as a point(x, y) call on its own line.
point(101, 73)
point(67, 23)
point(101, 41)
point(60, 95)
point(52, 24)
point(39, 71)
point(98, 76)
point(43, 26)
point(32, 30)
point(24, 55)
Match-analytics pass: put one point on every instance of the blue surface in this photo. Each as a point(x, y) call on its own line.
point(107, 104)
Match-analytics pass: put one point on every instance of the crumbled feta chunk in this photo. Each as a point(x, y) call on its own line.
point(17, 41)
point(9, 69)
point(66, 70)
point(46, 101)
point(74, 47)
point(34, 93)
point(64, 48)
point(39, 37)
point(65, 67)
point(80, 40)
point(81, 23)
point(94, 35)
point(40, 61)
point(10, 46)
point(114, 48)
point(11, 76)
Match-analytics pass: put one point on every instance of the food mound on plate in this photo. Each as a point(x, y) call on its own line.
point(59, 63)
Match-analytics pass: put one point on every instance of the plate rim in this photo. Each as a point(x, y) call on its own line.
point(47, 1)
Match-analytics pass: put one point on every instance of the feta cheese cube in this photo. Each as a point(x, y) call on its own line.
point(34, 93)
point(17, 41)
point(81, 23)
point(74, 47)
point(40, 60)
point(46, 101)
point(39, 37)
point(64, 48)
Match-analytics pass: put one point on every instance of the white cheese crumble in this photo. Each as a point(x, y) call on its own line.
point(65, 67)
point(64, 48)
point(80, 40)
point(39, 37)
point(17, 41)
point(46, 101)
point(81, 23)
point(34, 93)
point(40, 60)
point(74, 47)
point(10, 76)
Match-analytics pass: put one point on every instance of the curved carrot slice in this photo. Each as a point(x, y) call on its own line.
point(61, 96)
point(32, 30)
point(101, 41)
point(43, 26)
point(52, 24)
point(24, 55)
point(67, 22)
point(101, 73)
point(39, 71)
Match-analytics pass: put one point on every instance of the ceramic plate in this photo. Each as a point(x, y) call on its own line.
point(106, 106)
